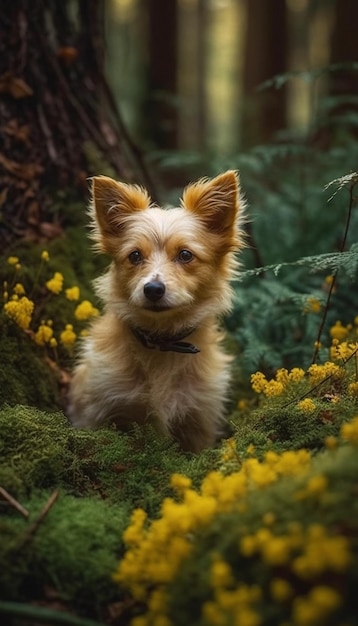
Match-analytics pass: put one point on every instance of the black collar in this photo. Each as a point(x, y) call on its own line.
point(165, 342)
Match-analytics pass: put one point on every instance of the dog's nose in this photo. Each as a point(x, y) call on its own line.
point(154, 291)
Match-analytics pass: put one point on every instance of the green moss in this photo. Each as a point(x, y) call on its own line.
point(74, 550)
point(25, 378)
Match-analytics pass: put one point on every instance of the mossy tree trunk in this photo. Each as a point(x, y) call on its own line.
point(54, 104)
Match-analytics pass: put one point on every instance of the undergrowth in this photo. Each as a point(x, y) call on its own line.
point(263, 528)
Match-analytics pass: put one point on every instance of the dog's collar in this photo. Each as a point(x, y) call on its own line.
point(165, 342)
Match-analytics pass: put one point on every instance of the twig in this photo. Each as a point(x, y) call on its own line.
point(38, 521)
point(38, 614)
point(341, 249)
point(14, 502)
point(321, 382)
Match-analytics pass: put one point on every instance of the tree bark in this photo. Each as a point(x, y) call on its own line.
point(56, 110)
point(264, 112)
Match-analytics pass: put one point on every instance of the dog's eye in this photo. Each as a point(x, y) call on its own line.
point(135, 257)
point(185, 256)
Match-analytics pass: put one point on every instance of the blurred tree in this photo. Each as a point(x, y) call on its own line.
point(344, 47)
point(264, 113)
point(162, 62)
point(55, 107)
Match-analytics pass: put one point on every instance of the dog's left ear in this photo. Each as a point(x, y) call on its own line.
point(215, 201)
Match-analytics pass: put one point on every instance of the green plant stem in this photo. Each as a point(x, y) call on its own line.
point(39, 614)
point(341, 249)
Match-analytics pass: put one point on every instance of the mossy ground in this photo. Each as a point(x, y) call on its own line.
point(101, 476)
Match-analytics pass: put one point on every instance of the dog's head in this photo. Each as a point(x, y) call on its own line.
point(169, 265)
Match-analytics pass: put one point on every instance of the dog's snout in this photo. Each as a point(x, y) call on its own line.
point(154, 291)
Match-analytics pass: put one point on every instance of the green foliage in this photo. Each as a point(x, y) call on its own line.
point(101, 476)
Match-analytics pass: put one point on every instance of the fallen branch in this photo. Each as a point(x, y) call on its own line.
point(32, 530)
point(5, 494)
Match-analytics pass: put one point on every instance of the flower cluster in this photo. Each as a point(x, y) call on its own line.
point(22, 308)
point(299, 569)
point(337, 376)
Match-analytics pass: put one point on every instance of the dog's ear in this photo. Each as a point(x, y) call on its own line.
point(216, 201)
point(113, 201)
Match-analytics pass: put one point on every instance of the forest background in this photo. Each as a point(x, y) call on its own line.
point(160, 93)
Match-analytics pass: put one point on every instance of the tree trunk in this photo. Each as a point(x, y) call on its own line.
point(161, 102)
point(55, 109)
point(264, 112)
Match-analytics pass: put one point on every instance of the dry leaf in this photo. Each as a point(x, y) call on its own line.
point(26, 171)
point(14, 86)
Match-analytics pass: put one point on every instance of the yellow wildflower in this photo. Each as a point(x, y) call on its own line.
point(45, 256)
point(316, 607)
point(55, 283)
point(331, 442)
point(296, 374)
point(280, 589)
point(220, 574)
point(282, 376)
point(68, 336)
point(277, 551)
point(180, 483)
point(85, 310)
point(73, 293)
point(242, 404)
point(318, 373)
point(312, 305)
point(43, 335)
point(258, 382)
point(19, 289)
point(349, 432)
point(353, 389)
point(306, 406)
point(338, 331)
point(53, 342)
point(273, 388)
point(13, 260)
point(20, 310)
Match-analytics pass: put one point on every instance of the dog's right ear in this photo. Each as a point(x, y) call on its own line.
point(112, 202)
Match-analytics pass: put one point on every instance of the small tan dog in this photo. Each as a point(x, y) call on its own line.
point(155, 352)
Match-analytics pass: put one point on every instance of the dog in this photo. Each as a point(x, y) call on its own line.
point(155, 353)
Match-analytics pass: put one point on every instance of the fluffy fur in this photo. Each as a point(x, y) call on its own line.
point(169, 278)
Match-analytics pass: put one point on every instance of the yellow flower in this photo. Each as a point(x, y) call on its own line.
point(19, 289)
point(296, 374)
point(331, 442)
point(280, 590)
point(306, 406)
point(55, 283)
point(316, 607)
point(85, 310)
point(43, 335)
point(13, 260)
point(258, 382)
point(273, 388)
point(349, 432)
point(312, 305)
point(316, 485)
point(68, 336)
point(53, 342)
point(318, 373)
point(73, 293)
point(221, 574)
point(353, 389)
point(45, 256)
point(20, 311)
point(338, 331)
point(180, 483)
